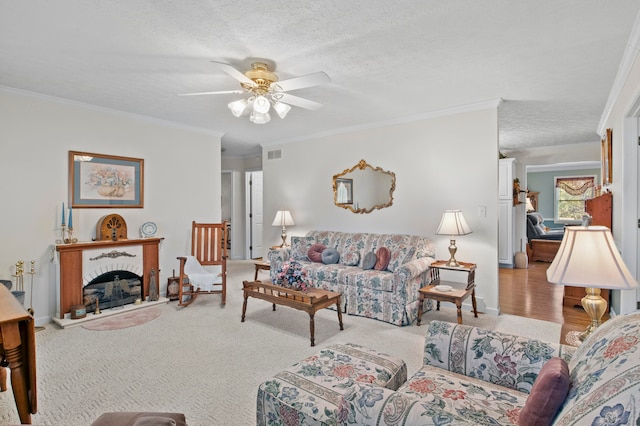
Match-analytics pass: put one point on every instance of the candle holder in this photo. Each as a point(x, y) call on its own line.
point(70, 239)
point(63, 228)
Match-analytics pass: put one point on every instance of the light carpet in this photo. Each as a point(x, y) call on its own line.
point(202, 361)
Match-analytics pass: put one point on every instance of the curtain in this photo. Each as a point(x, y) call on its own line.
point(575, 185)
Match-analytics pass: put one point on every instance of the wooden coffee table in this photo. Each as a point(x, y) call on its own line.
point(311, 301)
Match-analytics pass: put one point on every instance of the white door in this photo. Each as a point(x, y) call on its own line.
point(254, 214)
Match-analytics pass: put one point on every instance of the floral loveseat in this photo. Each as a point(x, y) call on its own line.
point(475, 376)
point(389, 295)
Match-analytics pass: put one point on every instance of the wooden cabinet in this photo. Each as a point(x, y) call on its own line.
point(601, 210)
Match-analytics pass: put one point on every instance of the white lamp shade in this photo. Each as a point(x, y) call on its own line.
point(529, 205)
point(588, 257)
point(453, 223)
point(261, 105)
point(281, 109)
point(237, 107)
point(259, 118)
point(283, 218)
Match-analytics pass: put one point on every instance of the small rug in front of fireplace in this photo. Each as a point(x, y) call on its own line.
point(130, 319)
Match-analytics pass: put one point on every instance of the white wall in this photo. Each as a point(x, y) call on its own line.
point(622, 115)
point(181, 182)
point(441, 163)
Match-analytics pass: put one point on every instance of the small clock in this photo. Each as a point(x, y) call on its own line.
point(148, 229)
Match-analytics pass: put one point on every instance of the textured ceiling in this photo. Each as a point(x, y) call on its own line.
point(552, 62)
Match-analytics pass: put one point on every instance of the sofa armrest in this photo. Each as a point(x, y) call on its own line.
point(276, 257)
point(499, 358)
point(413, 269)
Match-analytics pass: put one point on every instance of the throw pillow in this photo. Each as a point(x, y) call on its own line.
point(315, 252)
point(350, 258)
point(300, 246)
point(369, 261)
point(383, 255)
point(330, 256)
point(547, 394)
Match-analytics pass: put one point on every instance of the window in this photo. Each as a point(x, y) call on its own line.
point(570, 195)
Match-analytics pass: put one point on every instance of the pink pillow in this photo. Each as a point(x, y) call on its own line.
point(382, 259)
point(315, 252)
point(547, 394)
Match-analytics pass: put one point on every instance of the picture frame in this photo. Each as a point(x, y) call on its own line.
point(606, 157)
point(344, 191)
point(99, 180)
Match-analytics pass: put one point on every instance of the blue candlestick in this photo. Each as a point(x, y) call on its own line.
point(70, 217)
point(63, 222)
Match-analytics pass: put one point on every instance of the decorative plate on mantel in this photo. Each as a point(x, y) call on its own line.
point(148, 229)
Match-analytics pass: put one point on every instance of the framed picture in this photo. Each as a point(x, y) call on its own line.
point(97, 180)
point(605, 155)
point(344, 191)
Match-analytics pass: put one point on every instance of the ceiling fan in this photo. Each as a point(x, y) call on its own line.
point(266, 91)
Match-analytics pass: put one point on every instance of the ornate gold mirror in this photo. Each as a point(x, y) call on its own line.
point(363, 188)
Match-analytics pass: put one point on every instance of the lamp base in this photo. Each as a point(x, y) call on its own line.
point(283, 235)
point(595, 306)
point(453, 263)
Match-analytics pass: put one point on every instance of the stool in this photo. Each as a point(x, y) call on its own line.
point(313, 387)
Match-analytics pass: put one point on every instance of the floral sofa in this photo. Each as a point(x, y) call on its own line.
point(389, 295)
point(476, 376)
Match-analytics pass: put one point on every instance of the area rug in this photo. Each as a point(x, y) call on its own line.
point(127, 320)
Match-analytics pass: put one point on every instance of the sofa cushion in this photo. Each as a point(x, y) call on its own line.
point(310, 391)
point(330, 256)
point(300, 246)
point(400, 257)
point(369, 261)
point(382, 259)
point(315, 252)
point(350, 258)
point(547, 394)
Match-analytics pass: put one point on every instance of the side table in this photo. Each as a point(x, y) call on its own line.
point(260, 265)
point(458, 292)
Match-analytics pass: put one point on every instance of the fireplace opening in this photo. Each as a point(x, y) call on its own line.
point(109, 292)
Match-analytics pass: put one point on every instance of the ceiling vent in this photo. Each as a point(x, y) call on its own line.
point(274, 155)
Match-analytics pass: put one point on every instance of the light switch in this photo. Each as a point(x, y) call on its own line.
point(482, 211)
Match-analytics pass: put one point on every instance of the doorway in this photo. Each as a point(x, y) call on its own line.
point(254, 214)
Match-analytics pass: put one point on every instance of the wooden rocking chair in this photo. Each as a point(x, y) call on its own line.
point(208, 248)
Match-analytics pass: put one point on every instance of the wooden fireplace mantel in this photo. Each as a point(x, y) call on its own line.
point(71, 273)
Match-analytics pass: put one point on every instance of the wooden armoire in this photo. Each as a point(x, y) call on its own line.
point(600, 209)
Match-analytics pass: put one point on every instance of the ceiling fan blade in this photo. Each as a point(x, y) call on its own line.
point(234, 73)
point(299, 102)
point(211, 93)
point(315, 79)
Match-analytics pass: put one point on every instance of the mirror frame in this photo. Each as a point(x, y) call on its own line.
point(362, 165)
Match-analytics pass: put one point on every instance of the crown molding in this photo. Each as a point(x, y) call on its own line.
point(91, 107)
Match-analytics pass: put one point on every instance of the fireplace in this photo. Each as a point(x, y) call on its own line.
point(111, 290)
point(83, 263)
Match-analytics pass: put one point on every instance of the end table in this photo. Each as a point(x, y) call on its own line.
point(458, 291)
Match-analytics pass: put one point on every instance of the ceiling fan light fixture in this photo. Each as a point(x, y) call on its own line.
point(259, 117)
point(281, 109)
point(238, 107)
point(261, 104)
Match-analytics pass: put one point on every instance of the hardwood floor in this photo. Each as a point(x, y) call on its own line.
point(527, 293)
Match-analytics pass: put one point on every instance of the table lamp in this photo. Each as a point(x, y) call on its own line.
point(453, 224)
point(588, 257)
point(283, 218)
